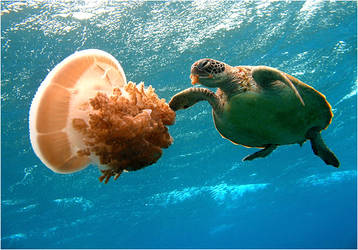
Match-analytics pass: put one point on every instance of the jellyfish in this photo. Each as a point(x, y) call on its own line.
point(85, 112)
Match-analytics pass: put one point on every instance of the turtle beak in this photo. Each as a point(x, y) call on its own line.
point(198, 72)
point(194, 79)
point(194, 74)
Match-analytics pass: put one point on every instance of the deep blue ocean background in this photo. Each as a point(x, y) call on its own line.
point(199, 194)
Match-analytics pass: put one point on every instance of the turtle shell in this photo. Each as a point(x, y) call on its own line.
point(256, 118)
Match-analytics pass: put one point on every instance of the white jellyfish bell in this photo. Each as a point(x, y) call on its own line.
point(85, 112)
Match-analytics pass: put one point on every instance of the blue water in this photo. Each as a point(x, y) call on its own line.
point(199, 194)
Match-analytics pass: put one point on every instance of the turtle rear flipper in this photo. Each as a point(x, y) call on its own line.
point(320, 148)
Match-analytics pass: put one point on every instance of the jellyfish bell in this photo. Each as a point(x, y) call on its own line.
point(62, 96)
point(85, 112)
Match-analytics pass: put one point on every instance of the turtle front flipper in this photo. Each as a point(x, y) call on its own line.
point(320, 148)
point(266, 76)
point(262, 153)
point(190, 96)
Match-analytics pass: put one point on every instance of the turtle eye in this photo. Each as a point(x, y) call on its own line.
point(203, 64)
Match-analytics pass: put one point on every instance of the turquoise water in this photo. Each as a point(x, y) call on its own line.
point(199, 194)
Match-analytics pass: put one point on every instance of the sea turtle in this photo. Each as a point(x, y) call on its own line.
point(260, 106)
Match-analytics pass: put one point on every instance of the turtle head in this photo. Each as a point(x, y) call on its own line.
point(210, 73)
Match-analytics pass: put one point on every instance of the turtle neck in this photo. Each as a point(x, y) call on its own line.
point(231, 87)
